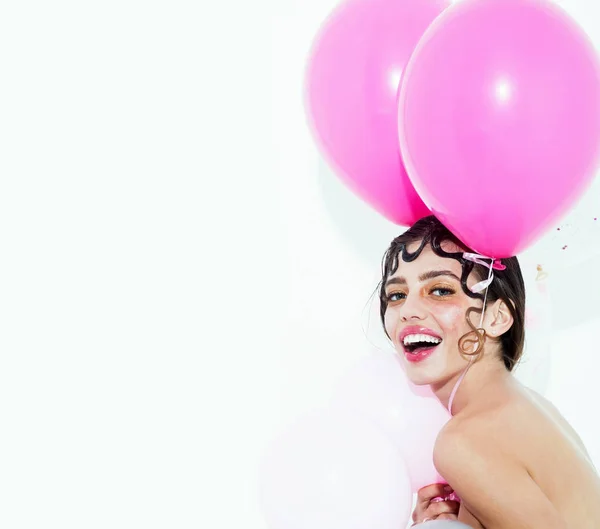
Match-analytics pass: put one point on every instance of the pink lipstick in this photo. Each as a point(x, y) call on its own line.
point(418, 343)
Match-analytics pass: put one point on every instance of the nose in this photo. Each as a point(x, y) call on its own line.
point(411, 309)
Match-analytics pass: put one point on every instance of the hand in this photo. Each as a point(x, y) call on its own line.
point(429, 508)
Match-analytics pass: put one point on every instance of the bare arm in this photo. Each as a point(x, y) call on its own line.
point(494, 489)
point(467, 518)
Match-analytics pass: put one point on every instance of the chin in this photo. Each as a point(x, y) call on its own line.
point(420, 379)
point(425, 368)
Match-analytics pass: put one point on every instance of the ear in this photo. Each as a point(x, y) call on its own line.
point(498, 319)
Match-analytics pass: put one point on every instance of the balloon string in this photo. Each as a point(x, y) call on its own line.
point(460, 379)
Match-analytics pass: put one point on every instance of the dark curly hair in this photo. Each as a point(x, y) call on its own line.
point(508, 284)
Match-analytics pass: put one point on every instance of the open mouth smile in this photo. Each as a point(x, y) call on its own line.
point(418, 344)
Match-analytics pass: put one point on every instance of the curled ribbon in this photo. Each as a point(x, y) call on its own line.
point(493, 265)
point(482, 285)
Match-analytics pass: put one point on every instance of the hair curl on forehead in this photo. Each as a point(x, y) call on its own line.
point(434, 237)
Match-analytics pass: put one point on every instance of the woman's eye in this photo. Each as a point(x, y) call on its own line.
point(396, 296)
point(442, 292)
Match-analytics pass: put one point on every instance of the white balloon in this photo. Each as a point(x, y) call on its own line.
point(411, 416)
point(332, 470)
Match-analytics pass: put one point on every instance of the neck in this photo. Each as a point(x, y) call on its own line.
point(485, 377)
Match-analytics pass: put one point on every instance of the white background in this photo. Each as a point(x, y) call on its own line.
point(181, 275)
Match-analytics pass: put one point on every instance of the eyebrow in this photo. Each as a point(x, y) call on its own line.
point(423, 277)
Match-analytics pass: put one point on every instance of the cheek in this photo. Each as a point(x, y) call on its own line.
point(389, 321)
point(451, 317)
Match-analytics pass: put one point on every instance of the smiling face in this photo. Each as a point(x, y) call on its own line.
point(426, 314)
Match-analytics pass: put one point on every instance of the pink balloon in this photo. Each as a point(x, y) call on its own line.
point(332, 470)
point(499, 120)
point(352, 81)
point(411, 416)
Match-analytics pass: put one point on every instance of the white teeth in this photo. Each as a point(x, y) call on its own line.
point(414, 338)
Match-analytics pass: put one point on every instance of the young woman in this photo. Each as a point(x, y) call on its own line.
point(457, 319)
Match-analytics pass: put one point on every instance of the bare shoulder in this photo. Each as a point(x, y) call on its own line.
point(495, 428)
point(492, 421)
point(522, 425)
point(476, 454)
point(463, 436)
